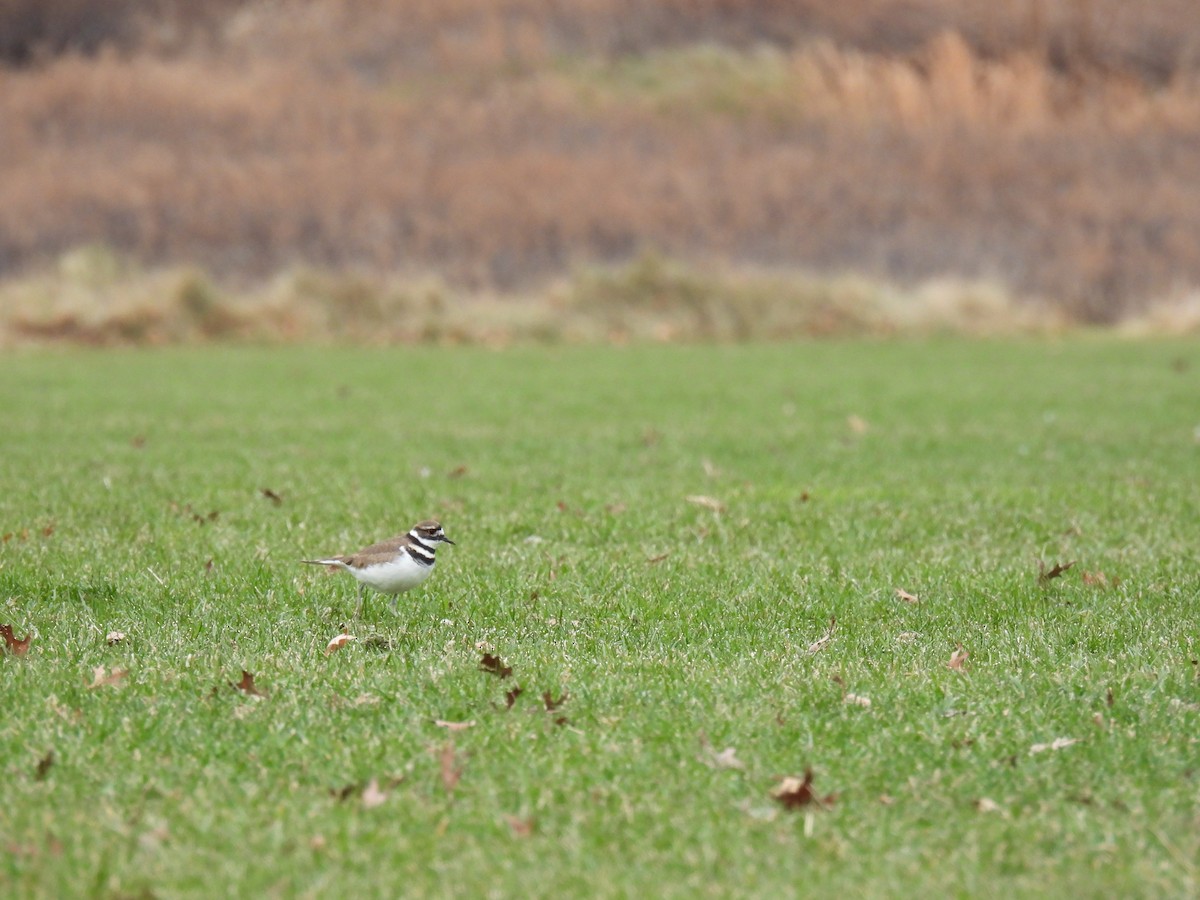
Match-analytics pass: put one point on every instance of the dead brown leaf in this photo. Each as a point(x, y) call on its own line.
point(454, 726)
point(338, 641)
point(271, 495)
point(451, 772)
point(247, 686)
point(99, 679)
point(795, 792)
point(521, 827)
point(984, 805)
point(1056, 744)
point(372, 793)
point(457, 472)
point(726, 759)
point(821, 643)
point(494, 665)
point(551, 704)
point(904, 595)
point(11, 644)
point(199, 519)
point(958, 660)
point(44, 765)
point(707, 502)
point(372, 796)
point(1054, 571)
point(1099, 580)
point(657, 559)
point(511, 697)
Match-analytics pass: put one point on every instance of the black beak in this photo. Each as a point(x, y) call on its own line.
point(446, 540)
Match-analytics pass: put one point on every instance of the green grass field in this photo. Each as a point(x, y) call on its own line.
point(131, 500)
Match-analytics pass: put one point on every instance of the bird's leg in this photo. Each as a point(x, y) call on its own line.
point(358, 609)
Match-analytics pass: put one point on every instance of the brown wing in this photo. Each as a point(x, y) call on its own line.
point(384, 551)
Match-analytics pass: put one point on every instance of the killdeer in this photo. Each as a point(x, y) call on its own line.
point(393, 566)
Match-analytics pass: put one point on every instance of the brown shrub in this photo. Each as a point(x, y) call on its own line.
point(399, 136)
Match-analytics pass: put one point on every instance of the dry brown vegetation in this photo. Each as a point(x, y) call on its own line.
point(492, 154)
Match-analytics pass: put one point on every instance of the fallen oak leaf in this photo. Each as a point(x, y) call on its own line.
point(454, 726)
point(99, 679)
point(1100, 580)
point(820, 644)
point(14, 646)
point(359, 788)
point(372, 796)
point(707, 502)
point(450, 772)
point(247, 686)
point(1054, 571)
point(793, 792)
point(338, 641)
point(726, 759)
point(44, 765)
point(958, 660)
point(521, 827)
point(1056, 744)
point(494, 665)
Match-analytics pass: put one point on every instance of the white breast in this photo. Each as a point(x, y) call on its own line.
point(395, 577)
